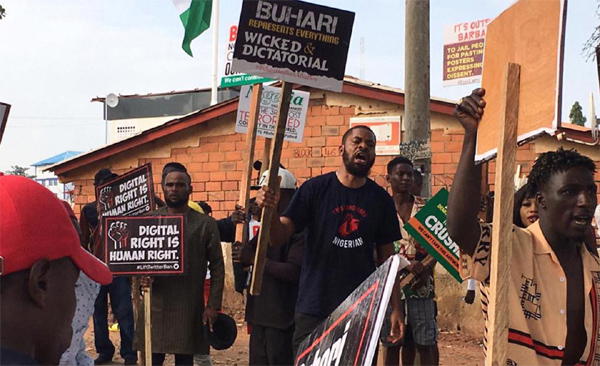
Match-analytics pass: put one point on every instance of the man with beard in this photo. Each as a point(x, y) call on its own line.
point(554, 279)
point(178, 311)
point(347, 217)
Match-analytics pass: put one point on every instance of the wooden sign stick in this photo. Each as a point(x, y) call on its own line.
point(148, 326)
point(273, 183)
point(266, 156)
point(503, 223)
point(241, 235)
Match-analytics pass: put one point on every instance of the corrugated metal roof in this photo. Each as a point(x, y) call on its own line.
point(57, 158)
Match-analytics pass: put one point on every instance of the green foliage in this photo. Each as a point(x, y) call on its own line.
point(19, 170)
point(576, 115)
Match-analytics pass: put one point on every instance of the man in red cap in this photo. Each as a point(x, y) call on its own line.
point(40, 260)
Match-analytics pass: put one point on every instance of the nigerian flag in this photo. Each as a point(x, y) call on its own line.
point(195, 16)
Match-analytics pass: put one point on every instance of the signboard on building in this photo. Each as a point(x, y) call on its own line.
point(267, 118)
point(236, 79)
point(148, 245)
point(428, 226)
point(294, 41)
point(387, 131)
point(350, 335)
point(463, 52)
point(130, 194)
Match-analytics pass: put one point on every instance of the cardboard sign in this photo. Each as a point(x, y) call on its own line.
point(387, 132)
point(294, 41)
point(267, 118)
point(231, 78)
point(4, 110)
point(350, 335)
point(130, 194)
point(463, 52)
point(529, 33)
point(148, 245)
point(428, 226)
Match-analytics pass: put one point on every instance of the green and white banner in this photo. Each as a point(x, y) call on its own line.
point(195, 16)
point(428, 227)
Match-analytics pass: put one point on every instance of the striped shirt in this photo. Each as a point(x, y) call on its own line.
point(538, 298)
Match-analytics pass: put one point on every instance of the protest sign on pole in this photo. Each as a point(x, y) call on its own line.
point(144, 245)
point(241, 229)
point(463, 52)
point(428, 227)
point(267, 118)
point(130, 194)
point(232, 78)
point(529, 33)
point(273, 184)
point(294, 41)
point(350, 334)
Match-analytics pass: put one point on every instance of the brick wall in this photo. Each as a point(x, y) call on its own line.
point(216, 163)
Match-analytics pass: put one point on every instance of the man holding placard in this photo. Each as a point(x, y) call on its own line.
point(348, 217)
point(178, 312)
point(555, 280)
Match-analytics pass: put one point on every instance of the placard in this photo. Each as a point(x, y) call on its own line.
point(130, 194)
point(267, 118)
point(144, 245)
point(231, 78)
point(294, 41)
point(428, 227)
point(529, 33)
point(463, 52)
point(350, 335)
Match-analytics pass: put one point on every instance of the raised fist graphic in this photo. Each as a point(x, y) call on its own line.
point(118, 233)
point(107, 197)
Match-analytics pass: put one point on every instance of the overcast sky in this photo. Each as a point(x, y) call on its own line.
point(57, 55)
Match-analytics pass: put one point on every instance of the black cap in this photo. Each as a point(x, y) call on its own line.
point(223, 334)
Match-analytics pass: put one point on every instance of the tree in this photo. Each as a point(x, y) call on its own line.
point(19, 170)
point(576, 116)
point(2, 12)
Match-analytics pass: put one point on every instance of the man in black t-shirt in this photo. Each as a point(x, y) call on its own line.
point(347, 217)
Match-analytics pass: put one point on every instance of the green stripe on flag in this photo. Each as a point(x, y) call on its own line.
point(195, 20)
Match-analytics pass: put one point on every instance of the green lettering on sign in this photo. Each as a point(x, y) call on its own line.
point(428, 227)
point(242, 79)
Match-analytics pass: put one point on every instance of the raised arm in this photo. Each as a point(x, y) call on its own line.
point(463, 203)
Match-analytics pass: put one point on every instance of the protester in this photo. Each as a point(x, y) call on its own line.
point(421, 327)
point(178, 311)
point(552, 302)
point(524, 214)
point(348, 217)
point(270, 315)
point(86, 291)
point(119, 290)
point(40, 262)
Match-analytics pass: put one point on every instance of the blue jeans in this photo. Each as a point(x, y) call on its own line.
point(120, 300)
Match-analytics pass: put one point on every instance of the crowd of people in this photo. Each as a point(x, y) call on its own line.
point(326, 237)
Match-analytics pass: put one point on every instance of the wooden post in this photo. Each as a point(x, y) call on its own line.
point(147, 326)
point(273, 183)
point(241, 235)
point(266, 159)
point(502, 231)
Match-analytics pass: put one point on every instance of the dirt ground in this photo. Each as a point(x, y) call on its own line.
point(455, 348)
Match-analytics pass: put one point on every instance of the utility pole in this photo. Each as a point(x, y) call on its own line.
point(415, 144)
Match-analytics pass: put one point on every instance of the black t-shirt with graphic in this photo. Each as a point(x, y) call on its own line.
point(344, 226)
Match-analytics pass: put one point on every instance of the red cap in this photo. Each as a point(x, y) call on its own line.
point(35, 225)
